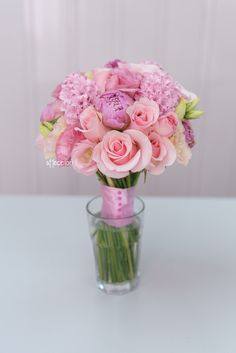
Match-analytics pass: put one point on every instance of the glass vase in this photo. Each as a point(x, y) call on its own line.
point(116, 239)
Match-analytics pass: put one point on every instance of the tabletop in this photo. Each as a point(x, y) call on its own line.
point(186, 301)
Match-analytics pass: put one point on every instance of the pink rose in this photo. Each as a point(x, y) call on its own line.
point(91, 124)
point(81, 158)
point(121, 152)
point(52, 111)
point(143, 114)
point(65, 143)
point(163, 153)
point(108, 79)
point(166, 124)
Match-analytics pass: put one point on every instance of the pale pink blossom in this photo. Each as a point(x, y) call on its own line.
point(166, 124)
point(143, 114)
point(122, 152)
point(183, 151)
point(81, 158)
point(141, 68)
point(52, 111)
point(48, 144)
point(163, 153)
point(91, 124)
point(65, 143)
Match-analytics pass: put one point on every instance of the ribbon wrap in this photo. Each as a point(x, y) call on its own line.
point(117, 205)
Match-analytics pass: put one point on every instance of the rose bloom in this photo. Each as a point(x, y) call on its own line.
point(143, 114)
point(166, 124)
point(183, 151)
point(113, 107)
point(91, 124)
point(163, 153)
point(108, 79)
point(81, 158)
point(121, 152)
point(65, 143)
point(52, 111)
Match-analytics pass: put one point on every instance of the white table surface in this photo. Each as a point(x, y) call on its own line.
point(186, 302)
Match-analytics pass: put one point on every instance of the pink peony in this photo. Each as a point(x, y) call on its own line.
point(81, 158)
point(77, 92)
point(91, 124)
point(166, 124)
point(163, 153)
point(52, 111)
point(108, 79)
point(143, 114)
point(121, 152)
point(65, 143)
point(113, 107)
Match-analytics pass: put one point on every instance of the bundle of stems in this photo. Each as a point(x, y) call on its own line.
point(122, 183)
point(117, 249)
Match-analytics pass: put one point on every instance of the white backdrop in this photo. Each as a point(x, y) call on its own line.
point(43, 40)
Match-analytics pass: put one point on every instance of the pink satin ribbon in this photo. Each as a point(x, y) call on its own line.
point(117, 205)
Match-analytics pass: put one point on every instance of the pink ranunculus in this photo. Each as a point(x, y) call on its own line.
point(113, 107)
point(91, 124)
point(143, 114)
point(121, 152)
point(52, 111)
point(108, 79)
point(65, 143)
point(81, 158)
point(166, 124)
point(163, 153)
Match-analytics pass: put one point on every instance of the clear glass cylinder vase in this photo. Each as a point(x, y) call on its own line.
point(116, 244)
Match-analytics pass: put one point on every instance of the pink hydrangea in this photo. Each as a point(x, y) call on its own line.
point(77, 92)
point(160, 87)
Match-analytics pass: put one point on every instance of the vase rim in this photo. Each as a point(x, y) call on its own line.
point(117, 218)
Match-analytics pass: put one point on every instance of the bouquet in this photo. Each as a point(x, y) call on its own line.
point(118, 122)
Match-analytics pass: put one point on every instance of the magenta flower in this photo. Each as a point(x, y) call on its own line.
point(160, 87)
point(188, 133)
point(113, 107)
point(114, 63)
point(77, 92)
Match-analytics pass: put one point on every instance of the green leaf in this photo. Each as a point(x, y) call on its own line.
point(48, 125)
point(194, 114)
point(191, 105)
point(43, 130)
point(145, 176)
point(181, 108)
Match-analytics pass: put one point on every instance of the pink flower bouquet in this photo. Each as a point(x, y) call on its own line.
point(117, 122)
